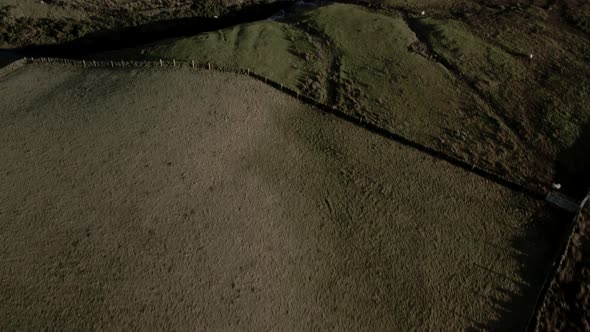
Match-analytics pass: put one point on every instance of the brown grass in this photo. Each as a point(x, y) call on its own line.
point(173, 199)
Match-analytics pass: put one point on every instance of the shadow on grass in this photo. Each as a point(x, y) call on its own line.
point(7, 57)
point(535, 250)
point(573, 166)
point(114, 39)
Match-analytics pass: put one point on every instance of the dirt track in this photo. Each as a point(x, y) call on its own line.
point(182, 200)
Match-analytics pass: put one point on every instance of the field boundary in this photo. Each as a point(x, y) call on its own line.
point(534, 191)
point(550, 279)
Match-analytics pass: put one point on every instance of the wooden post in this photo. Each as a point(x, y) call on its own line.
point(248, 71)
point(281, 87)
point(173, 63)
point(193, 64)
point(112, 64)
point(94, 62)
point(209, 65)
point(84, 63)
point(161, 63)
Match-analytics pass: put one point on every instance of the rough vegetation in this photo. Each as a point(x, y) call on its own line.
point(567, 305)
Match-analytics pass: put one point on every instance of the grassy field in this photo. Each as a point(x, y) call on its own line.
point(535, 98)
point(270, 48)
point(395, 86)
point(176, 199)
point(458, 79)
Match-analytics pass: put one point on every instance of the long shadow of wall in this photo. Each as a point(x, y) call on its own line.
point(573, 166)
point(113, 39)
point(534, 249)
point(7, 57)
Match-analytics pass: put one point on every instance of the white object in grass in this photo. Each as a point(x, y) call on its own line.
point(556, 186)
point(423, 12)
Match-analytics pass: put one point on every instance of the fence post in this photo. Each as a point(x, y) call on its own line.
point(161, 63)
point(209, 65)
point(248, 71)
point(94, 62)
point(112, 64)
point(84, 63)
point(173, 62)
point(193, 64)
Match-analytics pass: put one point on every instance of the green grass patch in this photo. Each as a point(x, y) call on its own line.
point(378, 77)
point(384, 82)
point(269, 48)
point(486, 65)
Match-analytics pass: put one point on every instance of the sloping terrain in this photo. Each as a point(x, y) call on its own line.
point(147, 198)
point(461, 81)
point(269, 48)
point(568, 301)
point(544, 100)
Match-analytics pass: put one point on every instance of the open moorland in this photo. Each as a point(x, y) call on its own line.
point(177, 198)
